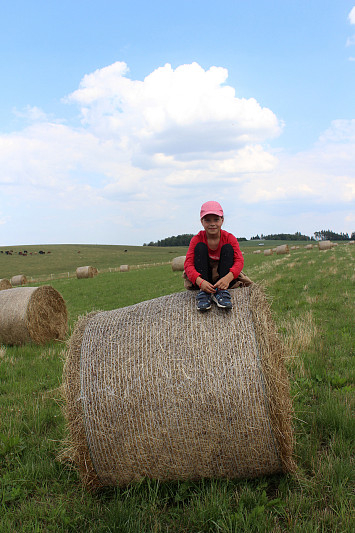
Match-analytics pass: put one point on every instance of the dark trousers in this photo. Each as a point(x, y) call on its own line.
point(203, 265)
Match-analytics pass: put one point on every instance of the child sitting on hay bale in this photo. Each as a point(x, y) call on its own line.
point(214, 261)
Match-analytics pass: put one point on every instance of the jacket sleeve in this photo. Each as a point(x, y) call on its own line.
point(189, 264)
point(238, 263)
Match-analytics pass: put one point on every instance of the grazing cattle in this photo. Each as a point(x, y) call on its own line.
point(41, 252)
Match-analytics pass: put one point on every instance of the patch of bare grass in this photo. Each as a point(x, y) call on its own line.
point(300, 334)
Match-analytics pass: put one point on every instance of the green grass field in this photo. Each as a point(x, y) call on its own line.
point(312, 296)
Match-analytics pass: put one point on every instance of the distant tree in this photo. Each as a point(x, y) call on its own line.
point(328, 235)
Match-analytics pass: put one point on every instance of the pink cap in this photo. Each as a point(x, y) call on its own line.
point(211, 208)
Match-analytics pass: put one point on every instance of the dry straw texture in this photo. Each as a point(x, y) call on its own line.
point(324, 245)
point(5, 284)
point(159, 390)
point(268, 252)
point(32, 314)
point(309, 246)
point(18, 280)
point(124, 268)
point(178, 263)
point(283, 249)
point(86, 272)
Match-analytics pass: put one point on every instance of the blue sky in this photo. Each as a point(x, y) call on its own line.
point(119, 119)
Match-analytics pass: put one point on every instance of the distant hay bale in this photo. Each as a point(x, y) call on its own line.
point(268, 252)
point(32, 314)
point(257, 252)
point(351, 242)
point(124, 268)
point(309, 246)
point(293, 248)
point(324, 245)
point(5, 284)
point(282, 249)
point(18, 280)
point(151, 391)
point(86, 272)
point(177, 263)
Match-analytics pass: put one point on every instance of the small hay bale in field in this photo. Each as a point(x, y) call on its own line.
point(18, 280)
point(5, 284)
point(282, 249)
point(177, 264)
point(86, 272)
point(151, 391)
point(257, 252)
point(309, 246)
point(124, 268)
point(32, 314)
point(324, 245)
point(293, 248)
point(268, 252)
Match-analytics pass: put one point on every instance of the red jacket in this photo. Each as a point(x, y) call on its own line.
point(226, 238)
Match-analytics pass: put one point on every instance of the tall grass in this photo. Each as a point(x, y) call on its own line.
point(313, 305)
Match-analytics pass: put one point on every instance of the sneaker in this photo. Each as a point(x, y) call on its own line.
point(203, 301)
point(223, 299)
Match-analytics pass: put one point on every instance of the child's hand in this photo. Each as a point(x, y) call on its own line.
point(206, 286)
point(224, 282)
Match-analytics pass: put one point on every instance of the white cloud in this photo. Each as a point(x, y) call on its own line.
point(324, 173)
point(187, 113)
point(351, 16)
point(149, 150)
point(31, 113)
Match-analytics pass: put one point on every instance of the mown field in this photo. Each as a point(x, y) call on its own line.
point(312, 298)
point(63, 259)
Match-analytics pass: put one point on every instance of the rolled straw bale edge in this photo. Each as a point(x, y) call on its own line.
point(75, 449)
point(275, 375)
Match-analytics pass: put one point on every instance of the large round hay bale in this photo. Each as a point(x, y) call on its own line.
point(32, 314)
point(124, 268)
point(268, 252)
point(151, 391)
point(324, 245)
point(86, 272)
point(18, 280)
point(282, 249)
point(177, 264)
point(309, 246)
point(5, 284)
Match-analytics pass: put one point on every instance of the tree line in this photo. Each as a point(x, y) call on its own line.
point(282, 237)
point(178, 240)
point(328, 235)
point(323, 235)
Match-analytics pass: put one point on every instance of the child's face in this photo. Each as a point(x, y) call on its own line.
point(212, 224)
